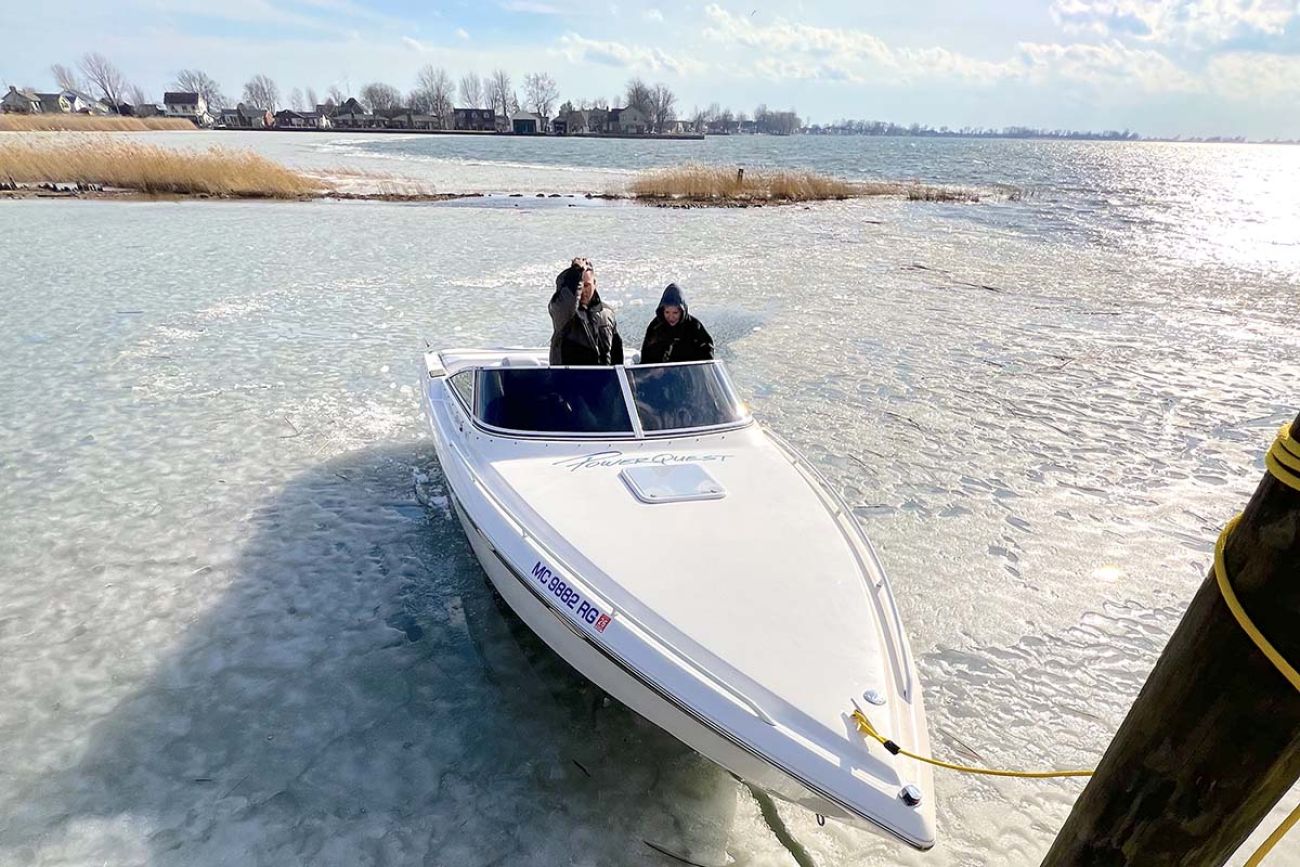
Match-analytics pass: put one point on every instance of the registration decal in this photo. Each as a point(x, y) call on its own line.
point(566, 597)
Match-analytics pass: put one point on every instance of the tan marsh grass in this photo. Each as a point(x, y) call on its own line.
point(721, 184)
point(150, 169)
point(87, 123)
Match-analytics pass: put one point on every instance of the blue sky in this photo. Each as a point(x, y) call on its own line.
point(1162, 67)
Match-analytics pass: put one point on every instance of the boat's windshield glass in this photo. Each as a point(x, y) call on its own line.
point(676, 396)
point(553, 400)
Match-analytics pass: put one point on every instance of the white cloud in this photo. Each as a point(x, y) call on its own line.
point(1190, 22)
point(578, 49)
point(462, 33)
point(804, 51)
point(1251, 76)
point(414, 44)
point(532, 7)
point(653, 15)
point(1111, 67)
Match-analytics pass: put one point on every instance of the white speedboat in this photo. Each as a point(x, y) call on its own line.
point(693, 566)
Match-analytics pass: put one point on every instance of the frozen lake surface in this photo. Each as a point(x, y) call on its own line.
point(238, 624)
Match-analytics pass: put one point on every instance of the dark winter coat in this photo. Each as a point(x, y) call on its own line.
point(688, 340)
point(582, 335)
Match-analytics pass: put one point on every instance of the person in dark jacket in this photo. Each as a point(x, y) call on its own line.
point(674, 334)
point(584, 330)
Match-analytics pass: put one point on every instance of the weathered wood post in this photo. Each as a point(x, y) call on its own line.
point(1213, 739)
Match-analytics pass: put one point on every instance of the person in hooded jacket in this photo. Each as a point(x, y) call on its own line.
point(584, 330)
point(674, 334)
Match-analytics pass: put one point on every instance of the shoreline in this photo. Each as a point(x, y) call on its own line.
point(92, 193)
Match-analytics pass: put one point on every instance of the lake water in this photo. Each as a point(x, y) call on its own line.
point(239, 625)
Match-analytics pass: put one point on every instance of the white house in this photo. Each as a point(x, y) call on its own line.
point(191, 106)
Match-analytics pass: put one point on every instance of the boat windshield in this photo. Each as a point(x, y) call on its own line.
point(584, 400)
point(683, 396)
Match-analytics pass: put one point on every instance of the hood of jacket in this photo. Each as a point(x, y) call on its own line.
point(673, 297)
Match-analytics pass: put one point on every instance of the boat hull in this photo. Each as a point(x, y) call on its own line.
point(634, 692)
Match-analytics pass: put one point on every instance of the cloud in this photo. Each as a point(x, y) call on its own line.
point(803, 51)
point(531, 7)
point(414, 44)
point(787, 51)
point(1194, 23)
point(578, 49)
point(1253, 76)
point(1111, 67)
point(462, 33)
point(653, 15)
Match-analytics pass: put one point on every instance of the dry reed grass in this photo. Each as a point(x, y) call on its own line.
point(151, 169)
point(87, 123)
point(721, 183)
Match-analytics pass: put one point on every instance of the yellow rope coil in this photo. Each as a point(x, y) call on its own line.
point(1283, 459)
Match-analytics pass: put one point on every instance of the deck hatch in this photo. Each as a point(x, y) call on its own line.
point(672, 484)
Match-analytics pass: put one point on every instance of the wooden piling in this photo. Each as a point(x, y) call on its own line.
point(1212, 741)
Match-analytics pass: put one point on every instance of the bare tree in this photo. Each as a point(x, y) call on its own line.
point(663, 102)
point(136, 96)
point(335, 95)
point(67, 77)
point(296, 102)
point(104, 76)
point(638, 96)
point(540, 93)
point(261, 92)
point(310, 96)
point(198, 81)
point(378, 96)
point(472, 90)
point(435, 93)
point(500, 92)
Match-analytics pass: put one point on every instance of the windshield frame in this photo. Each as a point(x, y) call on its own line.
point(744, 419)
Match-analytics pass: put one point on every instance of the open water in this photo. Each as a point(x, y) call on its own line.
point(239, 626)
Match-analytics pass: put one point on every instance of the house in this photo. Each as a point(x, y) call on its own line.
point(528, 123)
point(406, 118)
point(148, 109)
point(54, 103)
point(84, 103)
point(316, 119)
point(586, 121)
point(356, 120)
point(246, 117)
point(722, 127)
point(477, 119)
point(20, 102)
point(748, 127)
point(353, 115)
point(628, 121)
point(288, 119)
point(191, 106)
point(559, 126)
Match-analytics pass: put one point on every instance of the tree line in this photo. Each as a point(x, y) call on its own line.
point(434, 92)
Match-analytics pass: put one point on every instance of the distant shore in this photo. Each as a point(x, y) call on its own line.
point(481, 133)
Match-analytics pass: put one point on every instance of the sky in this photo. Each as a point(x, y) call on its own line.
point(1160, 67)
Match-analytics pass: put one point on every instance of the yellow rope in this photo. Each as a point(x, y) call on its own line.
point(1243, 619)
point(865, 726)
point(1283, 459)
